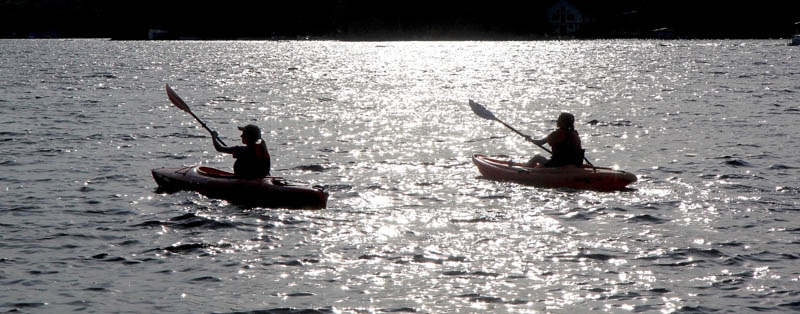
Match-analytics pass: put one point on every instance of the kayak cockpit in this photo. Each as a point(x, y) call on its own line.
point(212, 172)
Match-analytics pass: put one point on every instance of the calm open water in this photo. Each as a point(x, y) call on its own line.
point(710, 128)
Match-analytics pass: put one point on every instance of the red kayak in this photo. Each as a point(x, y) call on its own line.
point(583, 178)
point(272, 192)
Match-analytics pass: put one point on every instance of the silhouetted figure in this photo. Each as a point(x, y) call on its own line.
point(252, 160)
point(565, 143)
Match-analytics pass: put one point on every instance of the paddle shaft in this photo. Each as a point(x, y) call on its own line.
point(537, 144)
point(206, 127)
point(482, 112)
point(178, 102)
point(528, 138)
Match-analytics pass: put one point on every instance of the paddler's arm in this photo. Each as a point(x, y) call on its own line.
point(537, 142)
point(218, 146)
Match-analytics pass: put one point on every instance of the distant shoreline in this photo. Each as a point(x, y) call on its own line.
point(397, 39)
point(364, 20)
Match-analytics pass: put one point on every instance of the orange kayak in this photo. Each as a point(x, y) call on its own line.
point(272, 192)
point(583, 178)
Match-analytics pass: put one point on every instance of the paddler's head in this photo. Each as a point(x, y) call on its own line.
point(566, 121)
point(250, 133)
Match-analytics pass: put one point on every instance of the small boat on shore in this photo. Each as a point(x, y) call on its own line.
point(582, 178)
point(271, 192)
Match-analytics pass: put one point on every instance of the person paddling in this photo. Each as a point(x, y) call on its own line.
point(252, 160)
point(565, 142)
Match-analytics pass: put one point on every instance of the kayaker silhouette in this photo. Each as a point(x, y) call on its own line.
point(565, 142)
point(252, 160)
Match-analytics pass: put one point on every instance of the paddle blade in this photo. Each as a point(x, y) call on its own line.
point(481, 111)
point(176, 100)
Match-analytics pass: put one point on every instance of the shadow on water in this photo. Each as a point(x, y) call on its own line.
point(285, 310)
point(189, 221)
point(626, 189)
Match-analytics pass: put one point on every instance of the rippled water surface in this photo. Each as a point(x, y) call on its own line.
point(709, 127)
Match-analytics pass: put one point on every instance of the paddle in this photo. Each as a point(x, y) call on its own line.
point(482, 112)
point(178, 102)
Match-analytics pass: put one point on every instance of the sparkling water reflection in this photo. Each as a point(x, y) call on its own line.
point(706, 125)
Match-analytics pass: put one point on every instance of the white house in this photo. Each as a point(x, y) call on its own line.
point(157, 34)
point(565, 18)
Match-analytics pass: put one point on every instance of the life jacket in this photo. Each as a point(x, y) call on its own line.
point(253, 162)
point(566, 149)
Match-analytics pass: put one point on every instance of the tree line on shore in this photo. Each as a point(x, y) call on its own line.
point(390, 19)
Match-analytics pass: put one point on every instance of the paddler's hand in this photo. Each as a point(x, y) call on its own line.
point(215, 139)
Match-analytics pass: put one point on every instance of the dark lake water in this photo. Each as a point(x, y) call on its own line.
point(709, 127)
